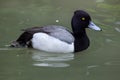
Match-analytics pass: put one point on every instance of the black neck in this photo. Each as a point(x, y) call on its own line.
point(81, 40)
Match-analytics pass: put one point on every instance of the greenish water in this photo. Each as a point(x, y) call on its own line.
point(101, 61)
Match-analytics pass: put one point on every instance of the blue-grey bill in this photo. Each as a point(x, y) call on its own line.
point(94, 27)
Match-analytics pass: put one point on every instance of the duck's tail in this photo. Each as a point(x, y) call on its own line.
point(24, 40)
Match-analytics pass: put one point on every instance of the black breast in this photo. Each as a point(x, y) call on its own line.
point(81, 41)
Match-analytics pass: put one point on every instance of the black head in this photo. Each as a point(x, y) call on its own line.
point(80, 20)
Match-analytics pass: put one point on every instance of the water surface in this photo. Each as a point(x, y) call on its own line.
point(100, 61)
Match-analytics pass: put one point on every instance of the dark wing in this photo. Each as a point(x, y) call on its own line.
point(55, 31)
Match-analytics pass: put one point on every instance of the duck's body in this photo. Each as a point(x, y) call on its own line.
point(48, 38)
point(55, 38)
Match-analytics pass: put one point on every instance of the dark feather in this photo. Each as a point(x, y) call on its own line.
point(58, 32)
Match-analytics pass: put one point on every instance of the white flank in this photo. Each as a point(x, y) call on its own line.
point(43, 41)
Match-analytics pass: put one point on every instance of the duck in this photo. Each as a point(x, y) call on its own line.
point(58, 39)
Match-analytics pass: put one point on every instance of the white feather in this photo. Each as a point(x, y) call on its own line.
point(43, 41)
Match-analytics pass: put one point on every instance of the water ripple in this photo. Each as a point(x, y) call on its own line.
point(99, 1)
point(52, 64)
point(51, 59)
point(117, 29)
point(111, 63)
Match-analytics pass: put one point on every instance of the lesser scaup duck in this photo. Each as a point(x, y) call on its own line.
point(53, 38)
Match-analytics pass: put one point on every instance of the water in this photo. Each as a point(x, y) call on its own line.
point(100, 61)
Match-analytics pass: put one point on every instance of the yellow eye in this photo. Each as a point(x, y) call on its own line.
point(83, 18)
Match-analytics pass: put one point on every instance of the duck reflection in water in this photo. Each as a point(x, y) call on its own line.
point(44, 59)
